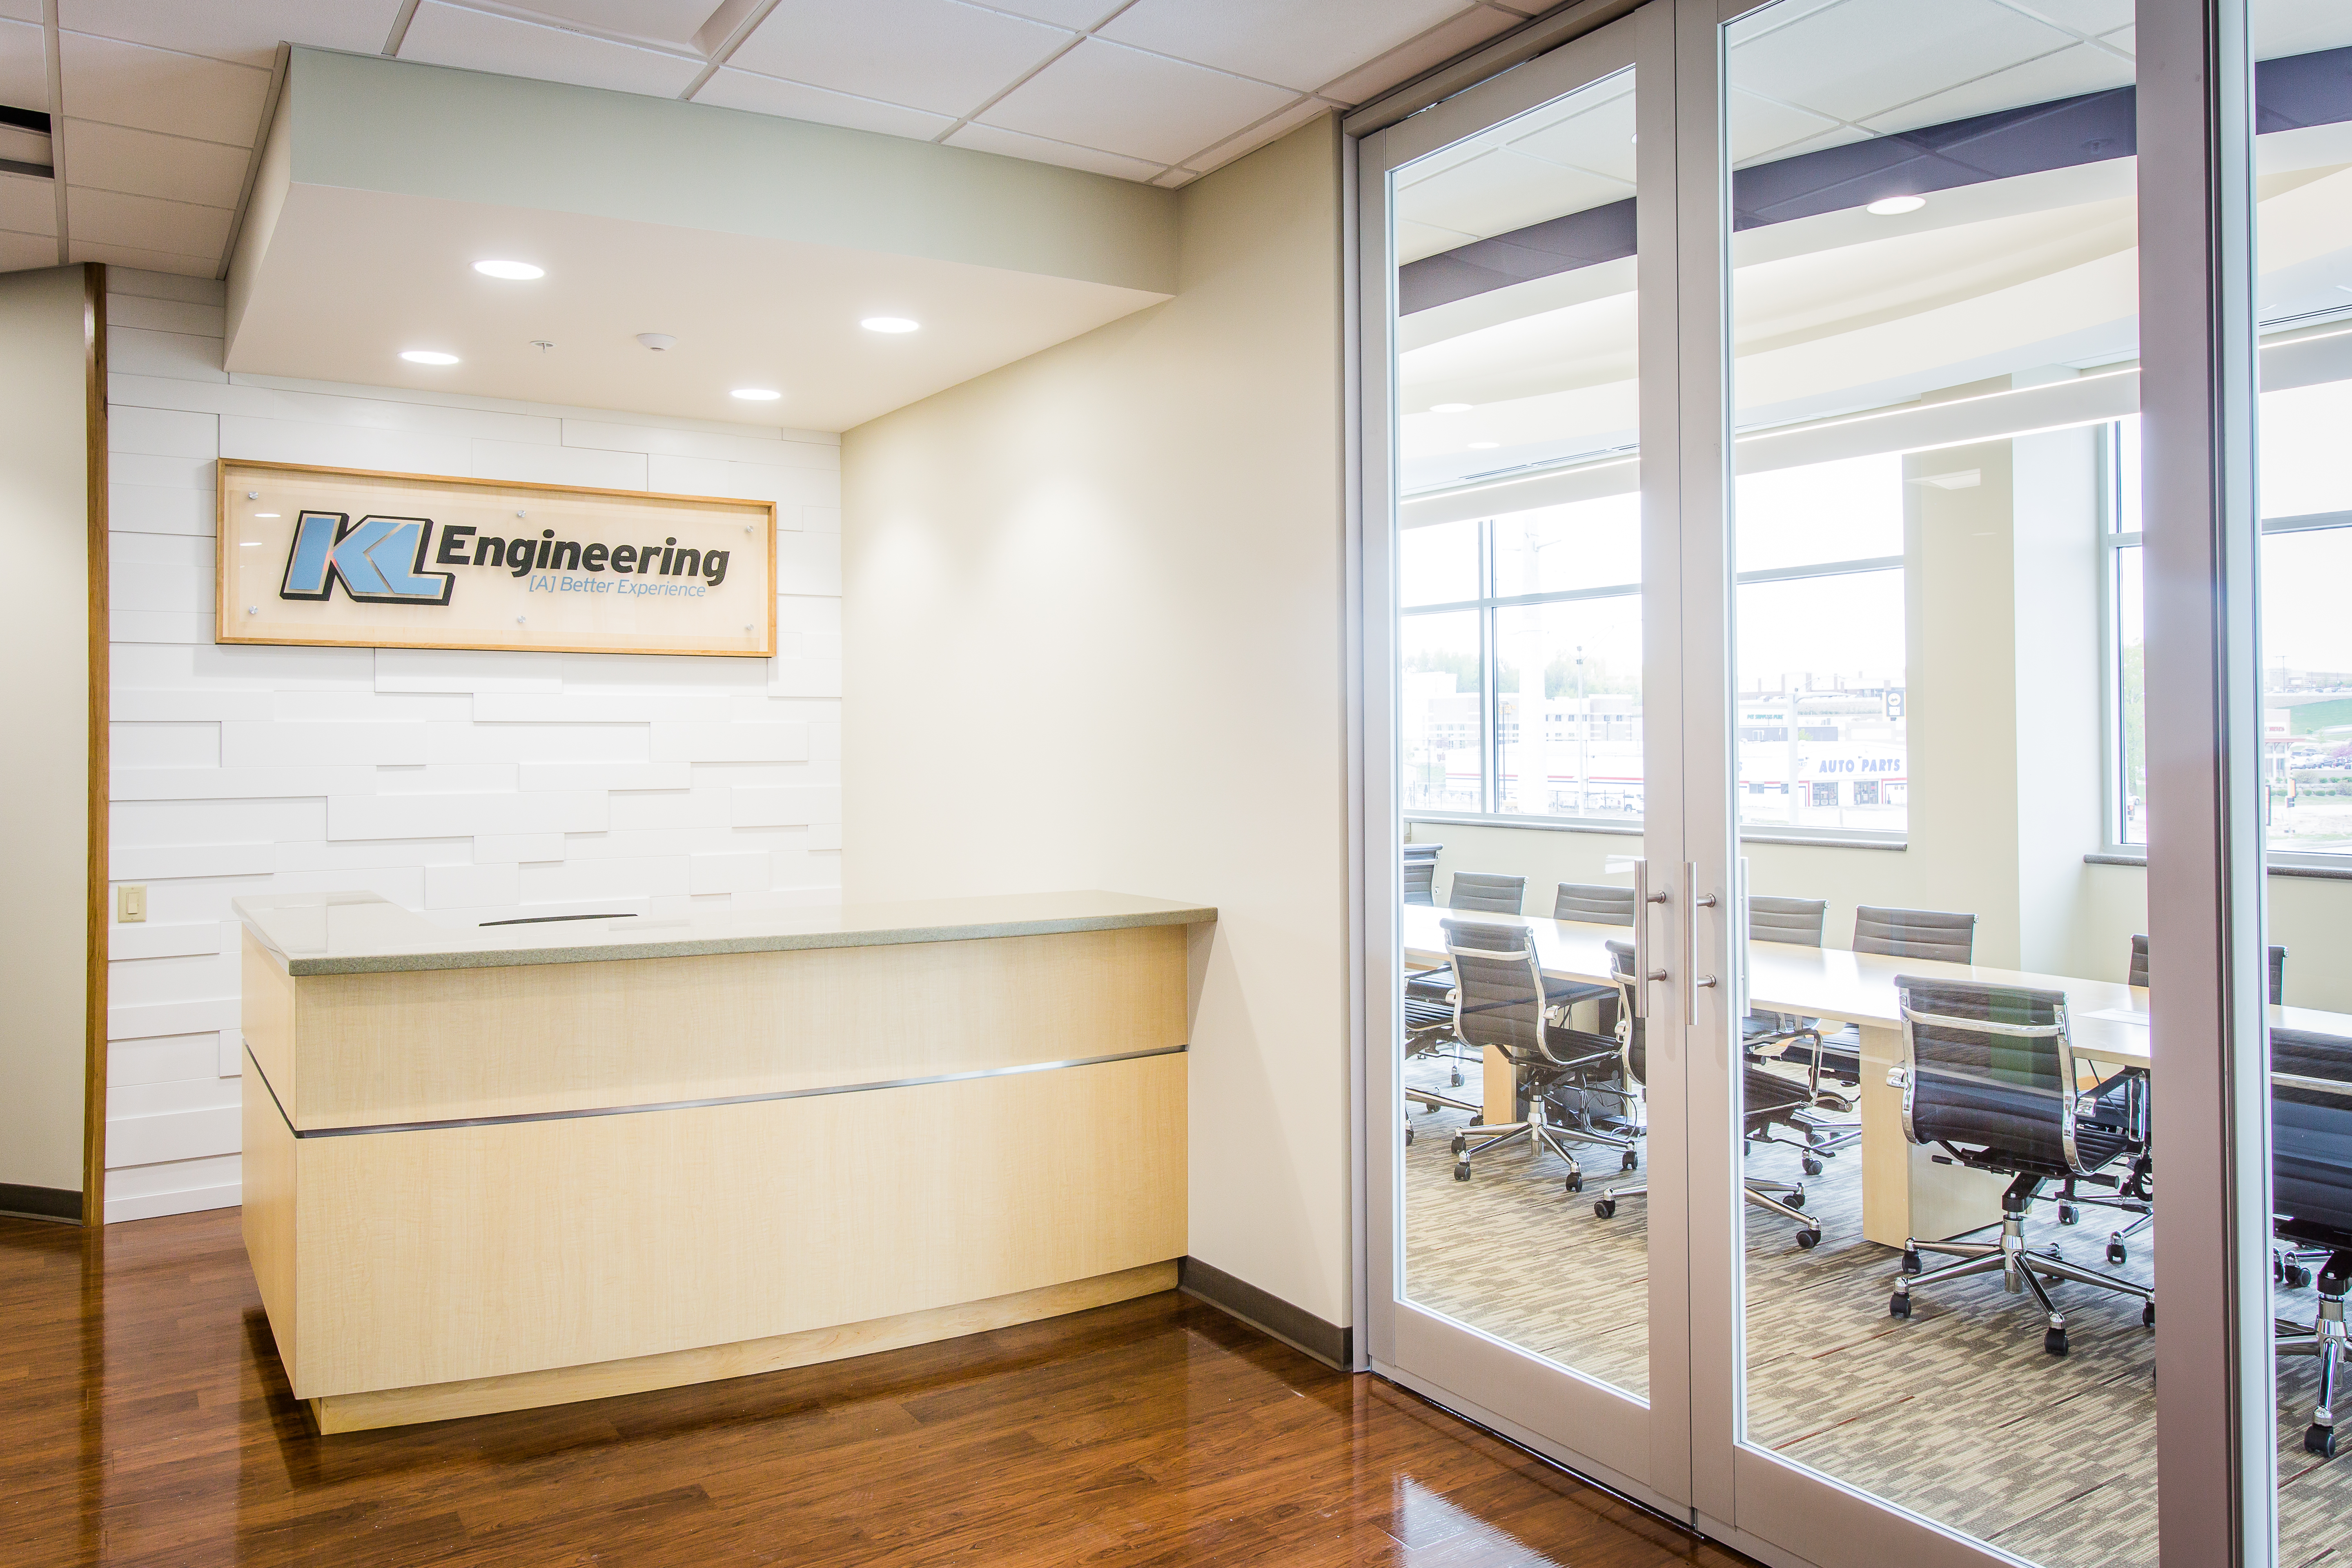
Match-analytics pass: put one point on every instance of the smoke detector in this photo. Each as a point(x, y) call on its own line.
point(657, 341)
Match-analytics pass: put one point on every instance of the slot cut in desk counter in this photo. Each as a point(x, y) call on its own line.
point(490, 1169)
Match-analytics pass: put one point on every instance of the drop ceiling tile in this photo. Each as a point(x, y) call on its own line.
point(19, 252)
point(1868, 57)
point(22, 10)
point(1415, 240)
point(170, 261)
point(1758, 127)
point(2299, 26)
point(1126, 101)
point(2088, 17)
point(1598, 138)
point(24, 66)
point(21, 146)
point(162, 89)
point(929, 54)
point(1257, 136)
point(443, 34)
point(1456, 35)
point(146, 163)
point(111, 217)
point(247, 33)
point(28, 205)
point(2127, 39)
point(1078, 14)
point(664, 21)
point(1501, 191)
point(1301, 44)
point(731, 89)
point(2079, 69)
point(1839, 136)
point(1039, 150)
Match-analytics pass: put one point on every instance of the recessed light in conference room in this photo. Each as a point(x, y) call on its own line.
point(890, 324)
point(427, 356)
point(756, 394)
point(513, 271)
point(1484, 446)
point(1451, 408)
point(1895, 206)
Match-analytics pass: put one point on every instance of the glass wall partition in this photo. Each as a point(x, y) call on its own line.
point(1934, 309)
point(1519, 699)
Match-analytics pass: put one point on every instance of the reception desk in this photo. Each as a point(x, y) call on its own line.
point(491, 1168)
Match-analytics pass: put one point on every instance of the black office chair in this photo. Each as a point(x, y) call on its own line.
point(1767, 1099)
point(1593, 904)
point(1428, 992)
point(2311, 1198)
point(1936, 934)
point(2138, 974)
point(1501, 999)
point(1989, 1077)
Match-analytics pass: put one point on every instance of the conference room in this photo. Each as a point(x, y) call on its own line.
point(1927, 625)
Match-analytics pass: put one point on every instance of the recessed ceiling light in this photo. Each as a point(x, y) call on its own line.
point(427, 356)
point(264, 515)
point(518, 271)
point(889, 324)
point(757, 393)
point(1894, 206)
point(1484, 446)
point(1450, 407)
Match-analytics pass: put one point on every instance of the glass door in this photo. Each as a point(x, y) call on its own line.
point(1525, 1160)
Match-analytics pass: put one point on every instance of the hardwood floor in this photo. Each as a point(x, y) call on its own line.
point(144, 1420)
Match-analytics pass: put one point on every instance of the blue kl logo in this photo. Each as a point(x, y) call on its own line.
point(378, 560)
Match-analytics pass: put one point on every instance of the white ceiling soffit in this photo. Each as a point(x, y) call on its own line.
point(759, 244)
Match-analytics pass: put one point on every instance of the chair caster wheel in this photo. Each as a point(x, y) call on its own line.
point(2320, 1440)
point(1457, 1077)
point(2117, 1254)
point(1462, 1170)
point(2147, 1315)
point(1813, 1166)
point(1604, 1208)
point(1808, 1238)
point(2054, 1341)
point(1795, 1200)
point(1631, 1161)
point(1408, 1137)
point(1460, 1144)
point(1575, 1183)
point(1911, 1264)
point(2296, 1276)
point(1899, 1306)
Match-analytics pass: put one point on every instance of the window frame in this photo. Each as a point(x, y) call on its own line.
point(1487, 606)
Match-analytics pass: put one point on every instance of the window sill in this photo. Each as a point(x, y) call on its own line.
point(1623, 830)
point(2323, 873)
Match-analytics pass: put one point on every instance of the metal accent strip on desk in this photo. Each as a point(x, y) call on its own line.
point(695, 1104)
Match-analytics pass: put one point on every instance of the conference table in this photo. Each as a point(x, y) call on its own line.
point(1905, 1192)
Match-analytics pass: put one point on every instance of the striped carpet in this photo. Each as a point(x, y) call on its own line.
point(1956, 1414)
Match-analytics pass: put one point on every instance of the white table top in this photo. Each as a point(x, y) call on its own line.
point(1851, 987)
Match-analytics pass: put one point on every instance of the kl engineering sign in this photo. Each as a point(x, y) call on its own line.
point(343, 558)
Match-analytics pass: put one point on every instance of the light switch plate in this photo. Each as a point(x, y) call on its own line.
point(130, 904)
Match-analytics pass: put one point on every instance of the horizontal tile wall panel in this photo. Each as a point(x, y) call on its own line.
point(469, 785)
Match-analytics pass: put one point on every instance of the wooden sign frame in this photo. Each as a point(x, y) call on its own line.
point(310, 629)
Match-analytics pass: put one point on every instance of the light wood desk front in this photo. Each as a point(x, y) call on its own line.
point(1905, 1192)
point(491, 1169)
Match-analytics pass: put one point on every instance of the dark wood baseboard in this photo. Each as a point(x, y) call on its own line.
point(40, 1202)
point(1295, 1326)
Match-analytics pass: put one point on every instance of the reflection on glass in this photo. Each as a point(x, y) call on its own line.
point(2304, 260)
point(1922, 516)
point(1521, 678)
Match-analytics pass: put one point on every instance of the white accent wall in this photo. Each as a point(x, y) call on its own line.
point(467, 786)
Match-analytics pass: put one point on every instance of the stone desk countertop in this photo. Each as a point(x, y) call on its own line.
point(365, 934)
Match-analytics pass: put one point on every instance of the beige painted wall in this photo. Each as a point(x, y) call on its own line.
point(45, 713)
point(1092, 629)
